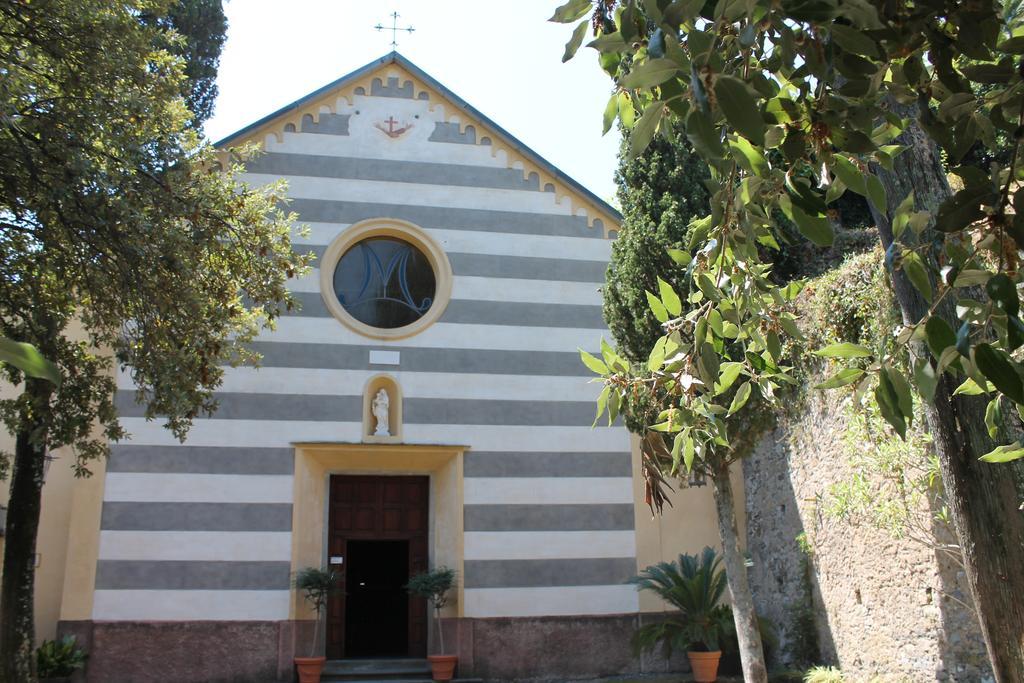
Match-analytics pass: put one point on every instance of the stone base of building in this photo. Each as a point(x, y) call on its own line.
point(495, 649)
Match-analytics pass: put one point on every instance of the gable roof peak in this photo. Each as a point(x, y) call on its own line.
point(290, 116)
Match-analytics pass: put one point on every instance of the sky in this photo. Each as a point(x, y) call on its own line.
point(504, 58)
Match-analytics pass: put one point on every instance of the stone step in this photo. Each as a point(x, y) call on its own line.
point(396, 670)
point(397, 680)
point(377, 668)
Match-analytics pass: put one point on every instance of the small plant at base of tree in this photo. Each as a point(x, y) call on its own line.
point(695, 586)
point(703, 626)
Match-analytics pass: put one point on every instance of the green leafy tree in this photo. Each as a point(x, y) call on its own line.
point(433, 586)
point(120, 242)
point(660, 192)
point(792, 104)
point(195, 30)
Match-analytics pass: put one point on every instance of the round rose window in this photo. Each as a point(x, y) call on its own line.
point(385, 282)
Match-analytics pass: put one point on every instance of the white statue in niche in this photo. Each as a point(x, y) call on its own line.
point(380, 412)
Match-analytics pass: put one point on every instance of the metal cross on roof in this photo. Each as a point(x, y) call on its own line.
point(394, 29)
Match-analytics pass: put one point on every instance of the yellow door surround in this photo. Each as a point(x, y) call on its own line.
point(315, 462)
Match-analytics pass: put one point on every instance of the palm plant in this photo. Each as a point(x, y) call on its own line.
point(694, 586)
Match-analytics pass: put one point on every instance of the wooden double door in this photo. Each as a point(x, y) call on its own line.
point(377, 539)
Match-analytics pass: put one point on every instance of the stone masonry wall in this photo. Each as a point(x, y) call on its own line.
point(882, 609)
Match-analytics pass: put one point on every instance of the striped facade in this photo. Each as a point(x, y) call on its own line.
point(205, 532)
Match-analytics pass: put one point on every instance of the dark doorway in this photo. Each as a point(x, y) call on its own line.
point(377, 539)
point(377, 604)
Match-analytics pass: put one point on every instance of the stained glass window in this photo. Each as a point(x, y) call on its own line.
point(385, 282)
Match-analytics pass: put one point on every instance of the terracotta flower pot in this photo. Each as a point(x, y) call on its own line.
point(704, 665)
point(442, 666)
point(310, 668)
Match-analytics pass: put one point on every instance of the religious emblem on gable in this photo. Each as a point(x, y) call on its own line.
point(388, 127)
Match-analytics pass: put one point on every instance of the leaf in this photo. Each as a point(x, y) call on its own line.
point(570, 11)
point(963, 339)
point(815, 228)
point(657, 357)
point(989, 73)
point(905, 401)
point(740, 109)
point(999, 370)
point(682, 11)
point(969, 388)
point(657, 308)
point(688, 452)
point(889, 404)
point(602, 403)
point(901, 220)
point(844, 350)
point(925, 378)
point(841, 379)
point(612, 359)
point(962, 209)
point(994, 416)
point(730, 372)
point(876, 193)
point(703, 135)
point(741, 397)
point(680, 257)
point(790, 326)
point(627, 113)
point(849, 174)
point(27, 358)
point(939, 334)
point(610, 112)
point(1007, 453)
point(950, 356)
point(971, 276)
point(1003, 291)
point(595, 364)
point(669, 297)
point(575, 41)
point(748, 157)
point(916, 272)
point(645, 128)
point(651, 73)
point(852, 40)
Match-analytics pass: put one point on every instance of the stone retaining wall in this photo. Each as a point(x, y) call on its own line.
point(879, 606)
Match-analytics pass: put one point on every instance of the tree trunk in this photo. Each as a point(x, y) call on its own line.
point(440, 630)
point(983, 498)
point(747, 632)
point(17, 624)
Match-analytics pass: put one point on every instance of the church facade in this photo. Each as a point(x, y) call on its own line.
point(425, 407)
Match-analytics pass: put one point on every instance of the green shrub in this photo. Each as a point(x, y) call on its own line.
point(695, 586)
point(56, 659)
point(316, 585)
point(824, 674)
point(433, 585)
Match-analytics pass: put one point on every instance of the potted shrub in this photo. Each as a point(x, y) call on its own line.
point(56, 661)
point(316, 585)
point(434, 586)
point(694, 586)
